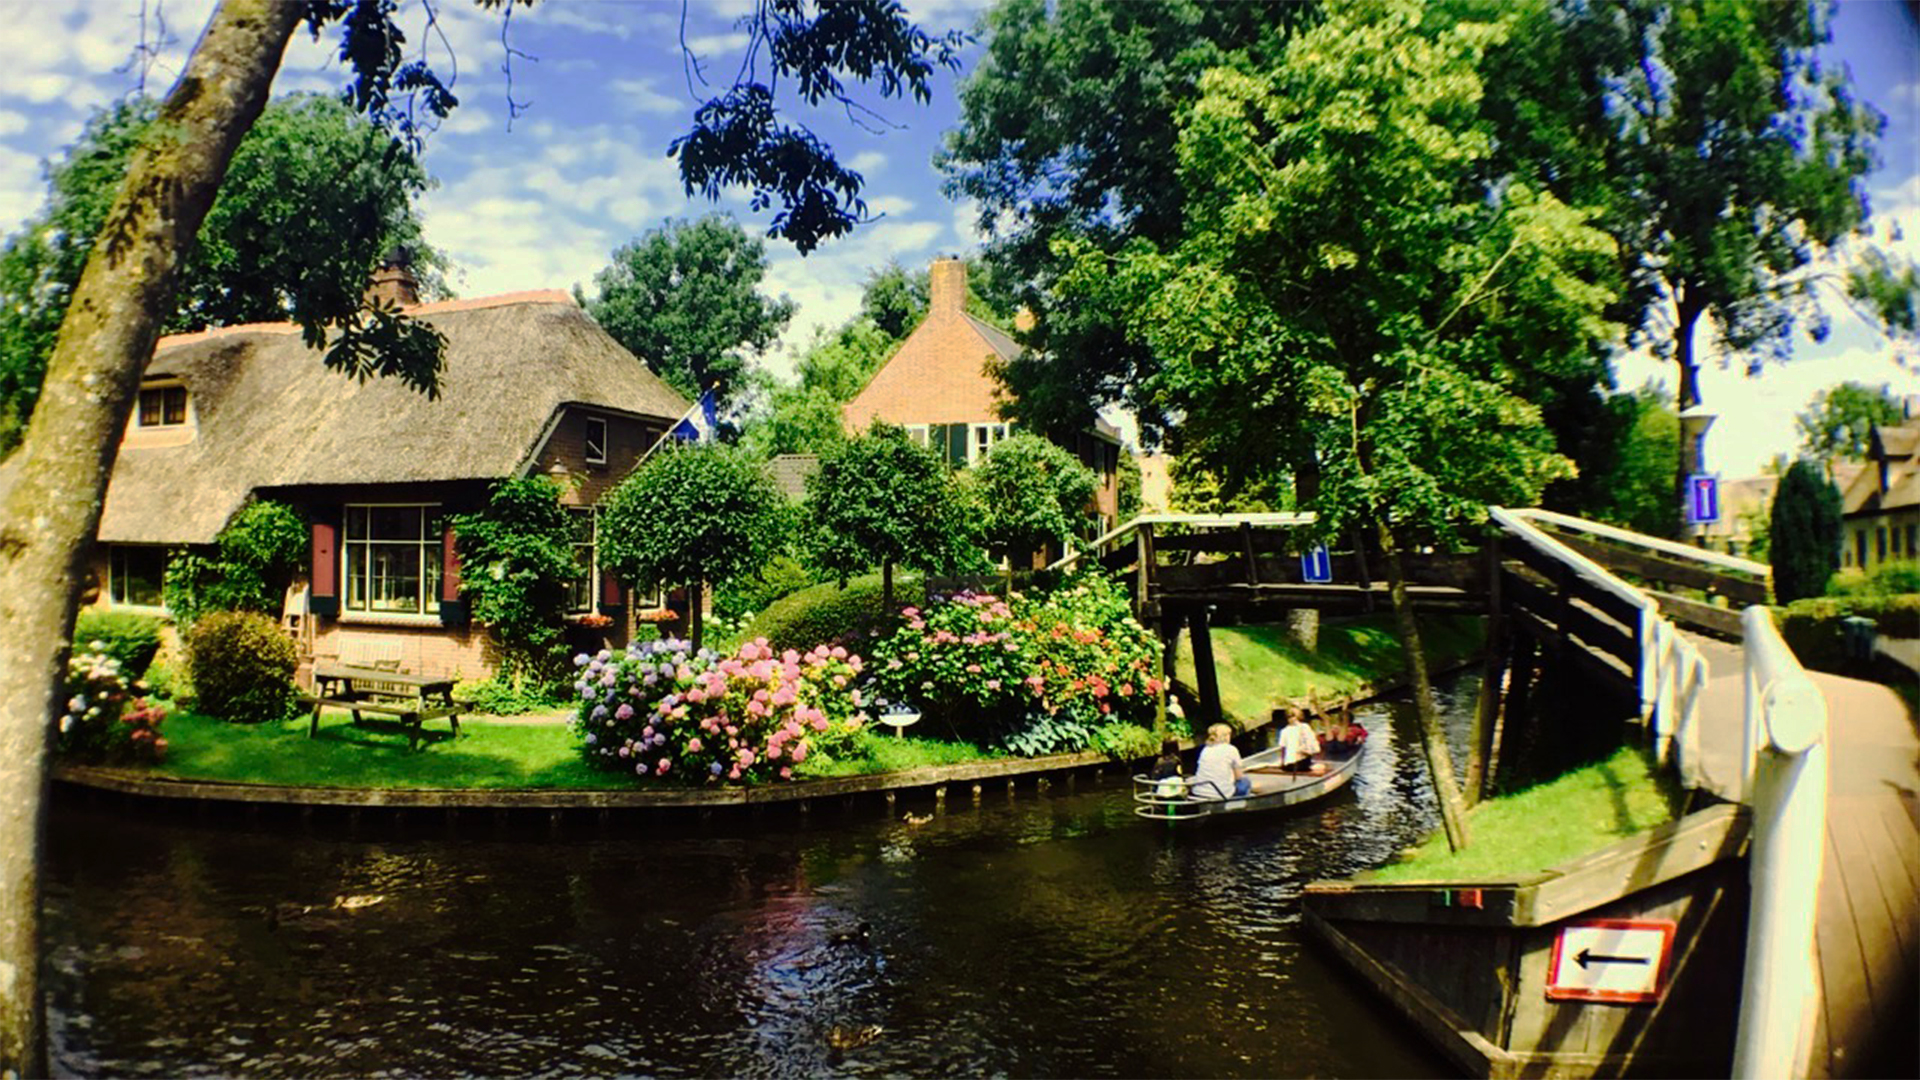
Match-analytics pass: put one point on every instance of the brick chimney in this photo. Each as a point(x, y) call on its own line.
point(393, 284)
point(946, 289)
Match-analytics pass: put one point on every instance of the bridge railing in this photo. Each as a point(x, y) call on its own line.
point(1786, 787)
point(1671, 673)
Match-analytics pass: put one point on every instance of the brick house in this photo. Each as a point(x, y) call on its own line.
point(939, 387)
point(531, 386)
point(1880, 506)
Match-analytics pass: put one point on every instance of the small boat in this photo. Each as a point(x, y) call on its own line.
point(1173, 799)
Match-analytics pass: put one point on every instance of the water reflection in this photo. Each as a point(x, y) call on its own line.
point(1026, 935)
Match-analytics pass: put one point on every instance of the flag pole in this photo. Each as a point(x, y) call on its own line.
point(698, 400)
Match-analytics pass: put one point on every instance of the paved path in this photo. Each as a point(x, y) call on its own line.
point(1868, 938)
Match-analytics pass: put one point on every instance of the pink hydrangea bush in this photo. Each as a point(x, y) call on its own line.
point(103, 718)
point(662, 711)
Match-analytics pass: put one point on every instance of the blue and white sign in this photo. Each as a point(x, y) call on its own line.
point(1316, 566)
point(1703, 499)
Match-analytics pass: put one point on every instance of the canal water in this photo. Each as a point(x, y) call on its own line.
point(1038, 934)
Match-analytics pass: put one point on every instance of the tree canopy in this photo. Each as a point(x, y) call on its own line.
point(690, 514)
point(880, 500)
point(1032, 494)
point(1842, 417)
point(1804, 533)
point(516, 554)
point(313, 200)
point(685, 298)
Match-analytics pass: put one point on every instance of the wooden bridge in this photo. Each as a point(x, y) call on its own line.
point(1830, 980)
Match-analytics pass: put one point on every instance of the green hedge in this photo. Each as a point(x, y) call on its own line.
point(1815, 629)
point(243, 667)
point(823, 613)
point(129, 637)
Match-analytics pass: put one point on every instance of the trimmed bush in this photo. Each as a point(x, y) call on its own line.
point(129, 637)
point(1815, 629)
point(242, 667)
point(827, 613)
point(750, 594)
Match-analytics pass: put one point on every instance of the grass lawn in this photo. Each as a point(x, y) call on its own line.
point(884, 752)
point(1518, 835)
point(1261, 669)
point(375, 755)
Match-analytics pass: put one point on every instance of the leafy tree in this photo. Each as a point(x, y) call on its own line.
point(1349, 294)
point(685, 299)
point(517, 562)
point(880, 500)
point(691, 514)
point(255, 558)
point(1043, 149)
point(1633, 488)
point(739, 140)
point(1804, 533)
point(314, 195)
point(1841, 420)
point(1727, 159)
point(894, 300)
point(1032, 493)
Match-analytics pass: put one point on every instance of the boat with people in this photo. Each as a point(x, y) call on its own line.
point(1178, 798)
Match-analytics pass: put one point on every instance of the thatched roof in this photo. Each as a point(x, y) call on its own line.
point(269, 414)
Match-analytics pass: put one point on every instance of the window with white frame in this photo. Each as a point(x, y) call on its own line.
point(584, 589)
point(982, 439)
point(596, 440)
point(392, 559)
point(917, 434)
point(161, 406)
point(134, 574)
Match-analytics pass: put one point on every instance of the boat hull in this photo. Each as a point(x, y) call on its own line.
point(1163, 800)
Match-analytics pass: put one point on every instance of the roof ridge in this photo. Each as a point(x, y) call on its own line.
point(439, 307)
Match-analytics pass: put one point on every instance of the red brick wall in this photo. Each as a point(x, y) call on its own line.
point(423, 650)
point(587, 483)
point(938, 377)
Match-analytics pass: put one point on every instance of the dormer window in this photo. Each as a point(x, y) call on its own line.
point(596, 441)
point(162, 407)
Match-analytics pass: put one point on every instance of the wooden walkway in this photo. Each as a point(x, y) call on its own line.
point(1868, 936)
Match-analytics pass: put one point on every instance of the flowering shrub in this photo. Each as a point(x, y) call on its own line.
point(1035, 675)
point(664, 711)
point(103, 719)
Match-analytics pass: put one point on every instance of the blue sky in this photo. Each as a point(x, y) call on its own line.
point(584, 168)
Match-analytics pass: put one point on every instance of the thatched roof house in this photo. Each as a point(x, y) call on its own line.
point(1881, 503)
point(531, 385)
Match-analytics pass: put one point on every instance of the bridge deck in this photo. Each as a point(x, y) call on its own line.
point(1868, 937)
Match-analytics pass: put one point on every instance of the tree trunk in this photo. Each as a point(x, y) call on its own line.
point(111, 325)
point(695, 624)
point(886, 588)
point(1688, 318)
point(1433, 737)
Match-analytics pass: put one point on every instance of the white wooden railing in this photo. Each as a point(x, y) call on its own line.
point(1786, 786)
point(1672, 672)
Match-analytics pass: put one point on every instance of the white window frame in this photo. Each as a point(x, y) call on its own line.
point(432, 562)
point(161, 388)
point(115, 578)
point(587, 447)
point(917, 434)
point(982, 438)
point(593, 566)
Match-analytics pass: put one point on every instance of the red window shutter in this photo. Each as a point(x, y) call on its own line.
point(326, 558)
point(610, 590)
point(450, 566)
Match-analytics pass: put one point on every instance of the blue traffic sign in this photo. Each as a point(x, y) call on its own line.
point(1316, 566)
point(1703, 499)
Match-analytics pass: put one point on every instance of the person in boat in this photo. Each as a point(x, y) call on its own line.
point(1219, 774)
point(1298, 744)
point(1167, 765)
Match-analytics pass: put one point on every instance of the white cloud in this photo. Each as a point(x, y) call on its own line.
point(966, 224)
point(890, 205)
point(643, 96)
point(11, 123)
point(867, 162)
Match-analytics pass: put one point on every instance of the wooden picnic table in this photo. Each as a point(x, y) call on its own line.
point(412, 698)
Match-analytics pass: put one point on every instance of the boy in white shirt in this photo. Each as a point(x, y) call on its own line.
point(1298, 744)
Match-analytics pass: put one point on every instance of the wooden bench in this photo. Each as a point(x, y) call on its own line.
point(413, 699)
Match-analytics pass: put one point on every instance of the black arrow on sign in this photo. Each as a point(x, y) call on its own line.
point(1584, 956)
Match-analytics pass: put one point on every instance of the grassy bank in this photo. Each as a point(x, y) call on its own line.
point(1522, 834)
point(1260, 669)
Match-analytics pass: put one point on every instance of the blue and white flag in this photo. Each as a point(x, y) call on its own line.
point(700, 422)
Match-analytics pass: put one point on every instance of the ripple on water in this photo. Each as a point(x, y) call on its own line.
point(1050, 934)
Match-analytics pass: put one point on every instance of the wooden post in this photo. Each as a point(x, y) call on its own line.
point(1203, 669)
point(1246, 547)
point(1360, 564)
point(1481, 753)
point(1145, 604)
point(1169, 663)
point(1512, 719)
